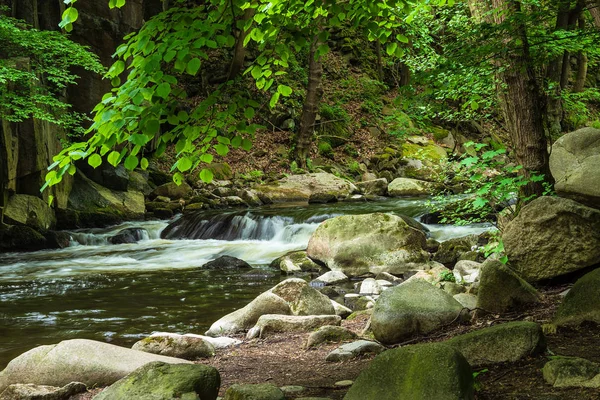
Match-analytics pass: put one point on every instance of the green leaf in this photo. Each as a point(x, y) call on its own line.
point(138, 139)
point(284, 90)
point(193, 66)
point(206, 175)
point(206, 158)
point(178, 178)
point(144, 163)
point(274, 100)
point(113, 158)
point(249, 113)
point(163, 90)
point(391, 48)
point(184, 164)
point(221, 149)
point(151, 127)
point(95, 160)
point(131, 162)
point(246, 144)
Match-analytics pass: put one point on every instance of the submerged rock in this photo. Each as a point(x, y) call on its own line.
point(226, 262)
point(410, 309)
point(551, 237)
point(129, 235)
point(90, 362)
point(419, 372)
point(161, 381)
point(357, 244)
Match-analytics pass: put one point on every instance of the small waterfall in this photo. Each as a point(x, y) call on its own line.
point(148, 230)
point(240, 226)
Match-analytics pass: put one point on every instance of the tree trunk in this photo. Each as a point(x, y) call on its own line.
point(314, 91)
point(522, 103)
point(239, 53)
point(582, 64)
point(379, 60)
point(594, 9)
point(554, 113)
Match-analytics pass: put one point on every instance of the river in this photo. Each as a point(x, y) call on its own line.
point(121, 293)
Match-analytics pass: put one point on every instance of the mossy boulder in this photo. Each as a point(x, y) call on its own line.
point(357, 244)
point(501, 343)
point(551, 237)
point(409, 187)
point(21, 237)
point(411, 309)
point(330, 333)
point(501, 289)
point(582, 303)
point(29, 210)
point(302, 298)
point(295, 261)
point(572, 372)
point(262, 391)
point(427, 151)
point(270, 323)
point(29, 391)
point(160, 381)
point(186, 347)
point(173, 191)
point(301, 187)
point(419, 372)
point(451, 250)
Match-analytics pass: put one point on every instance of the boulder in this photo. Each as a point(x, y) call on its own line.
point(340, 309)
point(501, 289)
point(432, 272)
point(467, 271)
point(376, 187)
point(172, 191)
point(90, 362)
point(295, 261)
point(21, 237)
point(161, 381)
point(572, 372)
point(411, 309)
point(582, 302)
point(419, 372)
point(226, 262)
point(303, 299)
point(409, 187)
point(552, 236)
point(290, 323)
point(28, 391)
point(574, 162)
point(507, 342)
point(187, 347)
point(330, 333)
point(451, 250)
point(262, 391)
point(302, 187)
point(331, 278)
point(467, 300)
point(250, 197)
point(246, 317)
point(352, 350)
point(357, 244)
point(217, 342)
point(129, 235)
point(23, 209)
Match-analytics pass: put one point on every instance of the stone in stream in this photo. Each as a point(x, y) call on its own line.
point(129, 235)
point(290, 323)
point(419, 372)
point(409, 187)
point(358, 244)
point(226, 262)
point(161, 381)
point(28, 391)
point(410, 309)
point(90, 362)
point(186, 347)
point(263, 391)
point(295, 261)
point(507, 342)
point(331, 278)
point(23, 209)
point(572, 372)
point(292, 296)
point(352, 350)
point(551, 237)
point(377, 187)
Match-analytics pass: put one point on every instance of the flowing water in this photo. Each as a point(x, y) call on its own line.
point(121, 293)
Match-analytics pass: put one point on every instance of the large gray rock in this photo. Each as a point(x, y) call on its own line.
point(352, 350)
point(582, 303)
point(263, 391)
point(87, 361)
point(292, 296)
point(187, 347)
point(246, 317)
point(451, 250)
point(501, 289)
point(28, 210)
point(501, 343)
point(357, 244)
point(419, 372)
point(552, 236)
point(572, 372)
point(173, 191)
point(28, 391)
point(290, 323)
point(303, 187)
point(409, 187)
point(377, 187)
point(161, 381)
point(574, 163)
point(410, 309)
point(295, 261)
point(467, 271)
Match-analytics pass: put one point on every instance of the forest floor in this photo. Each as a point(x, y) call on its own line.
point(283, 359)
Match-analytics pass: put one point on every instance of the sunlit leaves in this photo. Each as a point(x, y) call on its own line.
point(95, 160)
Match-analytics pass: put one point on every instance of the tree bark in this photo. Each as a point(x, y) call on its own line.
point(314, 91)
point(582, 64)
point(239, 53)
point(379, 60)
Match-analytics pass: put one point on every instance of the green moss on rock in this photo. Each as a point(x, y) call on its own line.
point(582, 303)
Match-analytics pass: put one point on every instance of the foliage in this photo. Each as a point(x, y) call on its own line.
point(447, 276)
point(325, 149)
point(476, 383)
point(495, 246)
point(151, 103)
point(35, 69)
